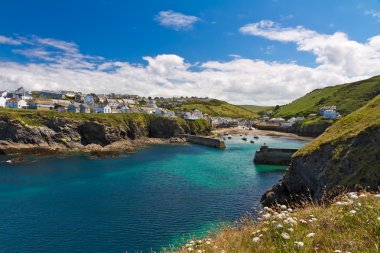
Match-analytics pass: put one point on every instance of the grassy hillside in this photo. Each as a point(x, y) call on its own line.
point(347, 127)
point(218, 108)
point(347, 97)
point(257, 108)
point(350, 224)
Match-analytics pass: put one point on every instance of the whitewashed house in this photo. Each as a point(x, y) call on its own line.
point(330, 114)
point(16, 103)
point(107, 109)
point(2, 101)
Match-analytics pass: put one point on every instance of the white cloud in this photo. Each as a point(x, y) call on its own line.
point(9, 41)
point(239, 80)
point(176, 20)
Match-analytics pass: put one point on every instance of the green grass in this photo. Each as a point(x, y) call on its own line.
point(347, 97)
point(35, 118)
point(219, 108)
point(311, 228)
point(347, 127)
point(257, 108)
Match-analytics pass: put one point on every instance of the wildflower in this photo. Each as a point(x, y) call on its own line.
point(199, 251)
point(377, 196)
point(314, 219)
point(362, 195)
point(310, 235)
point(268, 209)
point(303, 221)
point(353, 212)
point(337, 251)
point(192, 242)
point(189, 249)
point(222, 251)
point(266, 216)
point(290, 221)
point(208, 241)
point(283, 207)
point(256, 239)
point(199, 241)
point(378, 218)
point(352, 195)
point(280, 226)
point(260, 235)
point(299, 244)
point(281, 216)
point(285, 236)
point(290, 210)
point(290, 229)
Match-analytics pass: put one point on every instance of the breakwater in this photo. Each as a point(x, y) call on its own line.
point(274, 156)
point(203, 140)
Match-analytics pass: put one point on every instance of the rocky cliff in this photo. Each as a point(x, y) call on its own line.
point(346, 156)
point(35, 131)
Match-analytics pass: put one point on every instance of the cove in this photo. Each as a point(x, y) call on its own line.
point(140, 201)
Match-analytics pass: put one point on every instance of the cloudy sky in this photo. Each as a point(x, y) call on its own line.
point(246, 52)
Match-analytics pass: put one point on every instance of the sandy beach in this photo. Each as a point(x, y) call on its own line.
point(239, 130)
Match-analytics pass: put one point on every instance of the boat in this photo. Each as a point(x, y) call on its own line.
point(256, 137)
point(229, 136)
point(244, 138)
point(252, 141)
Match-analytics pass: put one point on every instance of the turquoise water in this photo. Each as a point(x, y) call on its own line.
point(138, 201)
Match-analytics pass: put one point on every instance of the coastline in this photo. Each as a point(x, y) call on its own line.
point(254, 131)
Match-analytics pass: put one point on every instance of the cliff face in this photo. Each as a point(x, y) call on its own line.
point(66, 132)
point(346, 156)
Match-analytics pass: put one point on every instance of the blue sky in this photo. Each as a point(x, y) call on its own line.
point(206, 35)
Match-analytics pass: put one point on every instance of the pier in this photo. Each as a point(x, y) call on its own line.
point(204, 140)
point(274, 156)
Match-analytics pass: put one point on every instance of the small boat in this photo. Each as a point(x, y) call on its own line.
point(244, 138)
point(256, 137)
point(252, 141)
point(229, 136)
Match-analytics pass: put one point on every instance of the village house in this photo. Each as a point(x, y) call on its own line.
point(48, 94)
point(84, 108)
point(73, 108)
point(330, 114)
point(88, 99)
point(113, 103)
point(41, 104)
point(16, 103)
point(194, 115)
point(107, 109)
point(152, 104)
point(2, 101)
point(148, 110)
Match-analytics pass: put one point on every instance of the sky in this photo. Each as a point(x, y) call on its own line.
point(263, 52)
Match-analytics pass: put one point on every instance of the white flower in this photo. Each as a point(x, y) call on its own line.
point(290, 229)
point(352, 195)
point(290, 210)
point(283, 207)
point(199, 251)
point(378, 218)
point(299, 244)
point(377, 196)
point(290, 221)
point(285, 236)
point(281, 216)
point(337, 251)
point(310, 235)
point(303, 221)
point(353, 212)
point(255, 239)
point(192, 242)
point(208, 241)
point(266, 216)
point(362, 195)
point(268, 209)
point(190, 249)
point(280, 226)
point(199, 241)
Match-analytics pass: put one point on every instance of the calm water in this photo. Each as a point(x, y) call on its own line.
point(135, 202)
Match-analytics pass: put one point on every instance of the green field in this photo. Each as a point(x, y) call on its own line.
point(257, 108)
point(219, 108)
point(347, 97)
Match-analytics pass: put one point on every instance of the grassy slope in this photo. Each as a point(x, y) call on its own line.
point(347, 97)
point(257, 108)
point(39, 118)
point(347, 127)
point(334, 228)
point(219, 108)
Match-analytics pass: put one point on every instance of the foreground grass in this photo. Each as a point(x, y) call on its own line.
point(351, 223)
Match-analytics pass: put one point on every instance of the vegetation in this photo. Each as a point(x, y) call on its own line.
point(347, 127)
point(347, 97)
point(216, 107)
point(258, 108)
point(350, 224)
point(142, 121)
